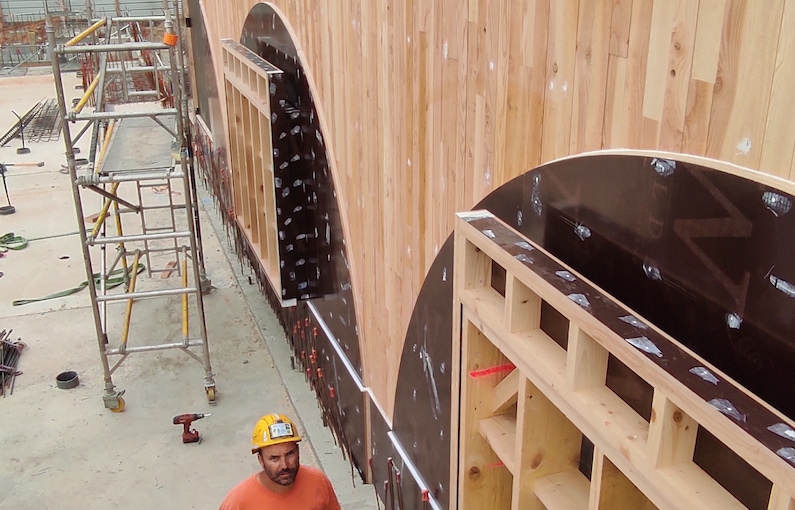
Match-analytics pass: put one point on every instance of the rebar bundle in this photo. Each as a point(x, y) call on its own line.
point(10, 352)
point(21, 123)
point(46, 124)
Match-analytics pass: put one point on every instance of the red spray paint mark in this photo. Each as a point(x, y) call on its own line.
point(483, 372)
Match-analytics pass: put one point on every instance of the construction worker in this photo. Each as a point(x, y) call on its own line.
point(283, 483)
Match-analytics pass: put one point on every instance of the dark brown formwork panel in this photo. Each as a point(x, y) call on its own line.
point(704, 255)
point(322, 327)
point(310, 230)
point(422, 395)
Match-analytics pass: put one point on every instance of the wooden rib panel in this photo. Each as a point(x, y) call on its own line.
point(590, 75)
point(621, 16)
point(779, 142)
point(429, 106)
point(745, 69)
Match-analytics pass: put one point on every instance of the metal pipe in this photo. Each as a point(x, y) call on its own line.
point(143, 93)
point(105, 144)
point(122, 59)
point(147, 294)
point(119, 256)
point(29, 57)
point(105, 48)
point(112, 196)
point(89, 91)
point(119, 361)
point(412, 469)
point(121, 248)
point(140, 237)
point(128, 313)
point(152, 208)
point(100, 223)
point(85, 33)
point(192, 354)
point(120, 115)
point(99, 103)
point(104, 212)
point(84, 180)
point(70, 161)
point(150, 348)
point(132, 19)
point(337, 347)
point(170, 131)
point(82, 132)
point(194, 249)
point(133, 69)
point(190, 169)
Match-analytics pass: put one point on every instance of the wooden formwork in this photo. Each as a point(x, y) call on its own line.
point(246, 83)
point(531, 405)
point(433, 105)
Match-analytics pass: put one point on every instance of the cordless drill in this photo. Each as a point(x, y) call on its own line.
point(189, 435)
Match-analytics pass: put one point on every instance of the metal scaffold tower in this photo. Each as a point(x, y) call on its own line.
point(137, 166)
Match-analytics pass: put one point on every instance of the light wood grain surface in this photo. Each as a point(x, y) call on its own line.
point(429, 106)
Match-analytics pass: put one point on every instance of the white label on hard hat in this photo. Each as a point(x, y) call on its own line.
point(278, 430)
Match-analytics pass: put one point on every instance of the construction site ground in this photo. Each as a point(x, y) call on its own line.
point(60, 447)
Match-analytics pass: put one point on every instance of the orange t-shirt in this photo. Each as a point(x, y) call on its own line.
point(311, 491)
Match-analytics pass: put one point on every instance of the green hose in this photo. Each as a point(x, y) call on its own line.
point(12, 242)
point(115, 278)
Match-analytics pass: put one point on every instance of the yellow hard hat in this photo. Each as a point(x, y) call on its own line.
point(273, 429)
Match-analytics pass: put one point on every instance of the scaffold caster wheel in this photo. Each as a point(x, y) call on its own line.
point(119, 408)
point(211, 394)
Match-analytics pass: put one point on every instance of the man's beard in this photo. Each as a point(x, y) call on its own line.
point(285, 477)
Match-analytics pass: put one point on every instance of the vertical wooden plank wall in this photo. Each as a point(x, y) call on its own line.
point(429, 106)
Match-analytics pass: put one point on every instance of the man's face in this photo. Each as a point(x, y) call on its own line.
point(280, 462)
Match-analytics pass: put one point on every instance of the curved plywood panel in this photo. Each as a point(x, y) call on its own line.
point(702, 442)
point(308, 218)
point(278, 200)
point(432, 105)
point(699, 248)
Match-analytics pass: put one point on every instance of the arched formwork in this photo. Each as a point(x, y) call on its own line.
point(430, 107)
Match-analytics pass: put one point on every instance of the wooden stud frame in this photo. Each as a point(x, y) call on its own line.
point(247, 85)
point(519, 434)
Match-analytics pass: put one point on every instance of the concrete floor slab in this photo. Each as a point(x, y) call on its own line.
point(62, 448)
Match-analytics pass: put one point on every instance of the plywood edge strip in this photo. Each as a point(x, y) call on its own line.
point(773, 181)
point(342, 198)
point(756, 452)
